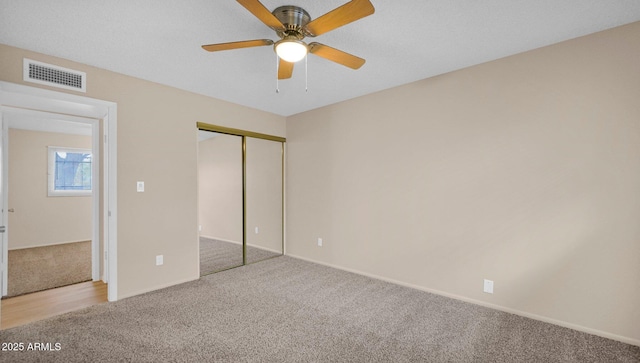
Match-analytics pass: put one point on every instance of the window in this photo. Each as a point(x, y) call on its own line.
point(69, 172)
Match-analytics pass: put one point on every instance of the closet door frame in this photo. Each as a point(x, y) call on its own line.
point(244, 134)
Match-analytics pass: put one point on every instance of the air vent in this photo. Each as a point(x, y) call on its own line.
point(54, 76)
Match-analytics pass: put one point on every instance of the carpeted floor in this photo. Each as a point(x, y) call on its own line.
point(288, 310)
point(218, 255)
point(43, 268)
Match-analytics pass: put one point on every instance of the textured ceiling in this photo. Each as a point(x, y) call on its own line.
point(404, 41)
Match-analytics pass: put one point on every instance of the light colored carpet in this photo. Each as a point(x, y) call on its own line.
point(255, 254)
point(288, 310)
point(43, 268)
point(218, 255)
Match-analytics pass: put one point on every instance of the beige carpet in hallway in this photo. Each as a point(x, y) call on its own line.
point(43, 268)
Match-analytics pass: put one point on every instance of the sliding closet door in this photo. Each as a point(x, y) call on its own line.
point(263, 210)
point(220, 201)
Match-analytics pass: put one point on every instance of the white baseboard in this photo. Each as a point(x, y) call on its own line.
point(222, 239)
point(159, 287)
point(264, 248)
point(239, 243)
point(525, 314)
point(48, 244)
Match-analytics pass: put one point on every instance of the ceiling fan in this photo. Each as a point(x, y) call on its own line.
point(292, 24)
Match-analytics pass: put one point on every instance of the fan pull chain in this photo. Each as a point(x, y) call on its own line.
point(277, 72)
point(306, 78)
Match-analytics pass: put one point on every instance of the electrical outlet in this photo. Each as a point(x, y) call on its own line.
point(140, 186)
point(159, 260)
point(256, 230)
point(488, 286)
point(200, 228)
point(319, 242)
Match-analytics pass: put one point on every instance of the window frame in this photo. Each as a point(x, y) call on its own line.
point(51, 170)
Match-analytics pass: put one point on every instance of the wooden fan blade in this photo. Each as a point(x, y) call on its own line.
point(336, 55)
point(237, 45)
point(285, 69)
point(343, 15)
point(261, 12)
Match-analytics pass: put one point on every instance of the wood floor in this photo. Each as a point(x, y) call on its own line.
point(24, 309)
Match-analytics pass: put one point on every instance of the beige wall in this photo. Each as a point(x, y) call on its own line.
point(220, 187)
point(37, 219)
point(264, 194)
point(525, 171)
point(156, 144)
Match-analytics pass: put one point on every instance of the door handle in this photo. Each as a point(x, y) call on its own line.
point(2, 229)
point(11, 210)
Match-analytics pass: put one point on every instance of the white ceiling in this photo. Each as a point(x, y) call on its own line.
point(206, 135)
point(48, 125)
point(37, 121)
point(404, 41)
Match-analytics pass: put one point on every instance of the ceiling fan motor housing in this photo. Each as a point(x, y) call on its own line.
point(294, 18)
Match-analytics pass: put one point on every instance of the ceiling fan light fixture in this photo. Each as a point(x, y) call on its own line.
point(291, 50)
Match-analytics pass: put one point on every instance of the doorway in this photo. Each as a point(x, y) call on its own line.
point(240, 197)
point(52, 234)
point(16, 98)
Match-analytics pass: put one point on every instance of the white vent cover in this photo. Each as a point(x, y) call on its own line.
point(54, 76)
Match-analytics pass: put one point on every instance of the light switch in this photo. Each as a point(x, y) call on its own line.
point(488, 286)
point(140, 186)
point(159, 260)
